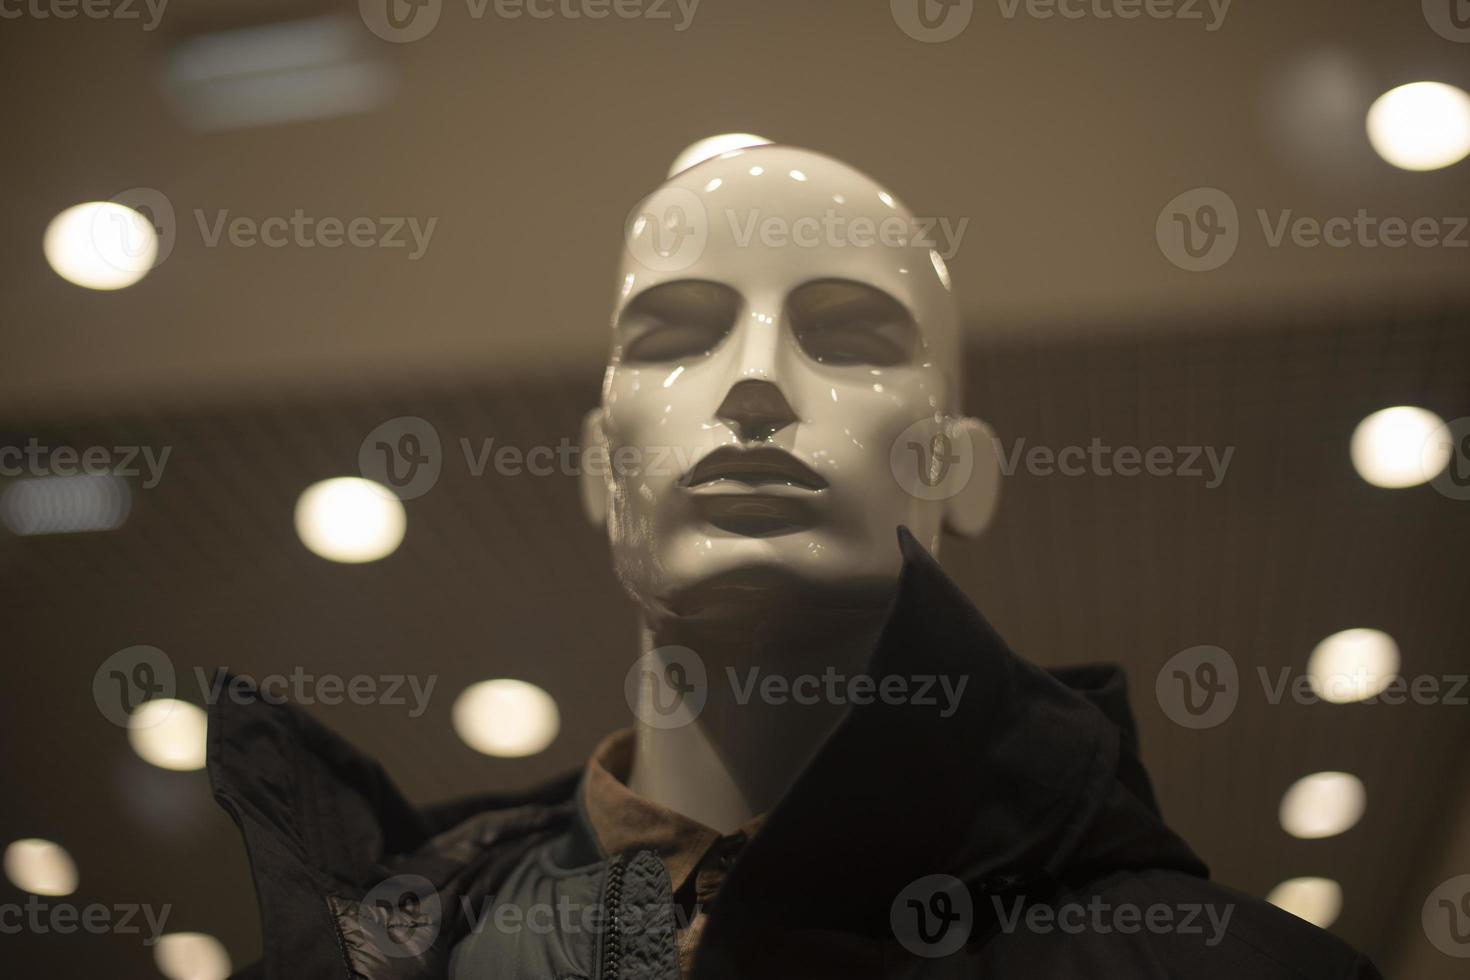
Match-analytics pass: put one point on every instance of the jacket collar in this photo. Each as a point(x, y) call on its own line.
point(1022, 782)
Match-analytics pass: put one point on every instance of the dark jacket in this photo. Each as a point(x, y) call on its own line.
point(1031, 794)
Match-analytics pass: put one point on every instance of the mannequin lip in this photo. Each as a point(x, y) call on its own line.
point(763, 469)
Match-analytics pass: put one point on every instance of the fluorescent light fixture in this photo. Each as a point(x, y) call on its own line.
point(276, 73)
point(65, 504)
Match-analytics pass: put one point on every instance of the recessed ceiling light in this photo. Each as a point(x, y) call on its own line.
point(169, 734)
point(1318, 900)
point(1323, 804)
point(1353, 665)
point(349, 519)
point(100, 245)
point(1392, 448)
point(191, 956)
point(507, 718)
point(40, 867)
point(1421, 126)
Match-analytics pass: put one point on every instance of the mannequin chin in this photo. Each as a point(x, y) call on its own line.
point(770, 403)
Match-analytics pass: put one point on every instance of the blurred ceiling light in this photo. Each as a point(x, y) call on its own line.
point(1421, 126)
point(169, 734)
point(275, 73)
point(1353, 665)
point(712, 146)
point(1392, 448)
point(1318, 900)
point(100, 245)
point(349, 519)
point(40, 867)
point(65, 504)
point(191, 956)
point(1323, 804)
point(506, 718)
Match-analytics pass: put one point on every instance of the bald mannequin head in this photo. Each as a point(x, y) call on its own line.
point(783, 389)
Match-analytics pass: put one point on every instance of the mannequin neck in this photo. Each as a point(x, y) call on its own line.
point(754, 735)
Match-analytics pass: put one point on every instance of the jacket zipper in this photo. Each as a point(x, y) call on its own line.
point(612, 951)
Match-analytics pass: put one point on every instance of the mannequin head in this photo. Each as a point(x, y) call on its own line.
point(785, 362)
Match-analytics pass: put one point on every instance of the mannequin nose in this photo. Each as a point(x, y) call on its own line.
point(756, 410)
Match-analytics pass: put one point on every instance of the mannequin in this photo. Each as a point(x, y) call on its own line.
point(782, 356)
point(778, 448)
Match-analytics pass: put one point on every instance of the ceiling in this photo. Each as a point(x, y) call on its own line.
point(528, 141)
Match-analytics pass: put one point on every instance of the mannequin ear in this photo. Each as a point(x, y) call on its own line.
point(594, 465)
point(969, 511)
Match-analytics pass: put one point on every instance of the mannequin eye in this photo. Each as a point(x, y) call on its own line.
point(676, 320)
point(840, 322)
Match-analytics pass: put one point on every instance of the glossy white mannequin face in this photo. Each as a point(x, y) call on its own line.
point(778, 344)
